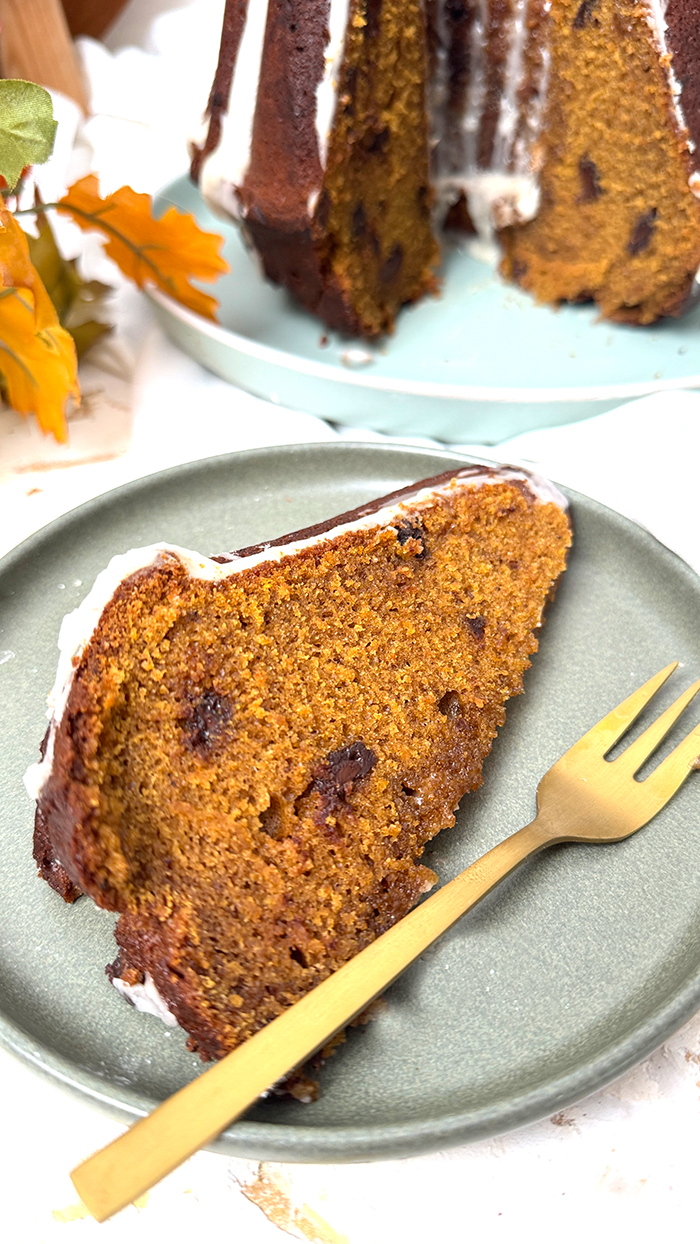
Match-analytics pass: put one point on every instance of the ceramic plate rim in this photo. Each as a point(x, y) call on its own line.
point(422, 388)
point(527, 395)
point(280, 1142)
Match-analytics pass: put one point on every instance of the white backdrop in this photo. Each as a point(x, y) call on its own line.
point(621, 1164)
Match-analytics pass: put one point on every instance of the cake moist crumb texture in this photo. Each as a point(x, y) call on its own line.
point(344, 135)
point(248, 767)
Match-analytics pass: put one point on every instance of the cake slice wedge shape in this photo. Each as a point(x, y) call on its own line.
point(315, 139)
point(248, 754)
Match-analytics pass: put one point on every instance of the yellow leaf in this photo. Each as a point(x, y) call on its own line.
point(167, 252)
point(37, 357)
point(17, 269)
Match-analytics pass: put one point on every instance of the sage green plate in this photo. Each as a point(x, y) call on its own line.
point(572, 970)
point(480, 363)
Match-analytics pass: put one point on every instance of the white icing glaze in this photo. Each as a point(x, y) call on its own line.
point(656, 17)
point(146, 997)
point(534, 119)
point(510, 113)
point(440, 84)
point(79, 626)
point(497, 199)
point(471, 123)
point(326, 91)
point(507, 192)
point(225, 169)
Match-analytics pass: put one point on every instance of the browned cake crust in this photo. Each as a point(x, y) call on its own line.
point(352, 241)
point(249, 768)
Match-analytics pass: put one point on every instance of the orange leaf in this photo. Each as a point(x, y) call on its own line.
point(17, 269)
point(166, 252)
point(37, 356)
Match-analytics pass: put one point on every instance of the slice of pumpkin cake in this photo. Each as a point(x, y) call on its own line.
point(316, 140)
point(248, 753)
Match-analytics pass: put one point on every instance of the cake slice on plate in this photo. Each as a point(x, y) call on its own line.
point(248, 753)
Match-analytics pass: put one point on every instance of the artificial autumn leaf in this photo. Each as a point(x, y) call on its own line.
point(37, 357)
point(27, 128)
point(166, 252)
point(78, 302)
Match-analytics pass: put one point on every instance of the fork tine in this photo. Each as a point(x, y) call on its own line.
point(605, 734)
point(633, 758)
point(673, 771)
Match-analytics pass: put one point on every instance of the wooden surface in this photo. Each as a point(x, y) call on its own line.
point(36, 45)
point(92, 17)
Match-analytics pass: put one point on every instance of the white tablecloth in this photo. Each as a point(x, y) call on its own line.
point(620, 1164)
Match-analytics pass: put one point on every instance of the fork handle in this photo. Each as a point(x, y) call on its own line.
point(156, 1144)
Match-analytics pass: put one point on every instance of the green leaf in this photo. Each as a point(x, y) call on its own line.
point(27, 127)
point(78, 303)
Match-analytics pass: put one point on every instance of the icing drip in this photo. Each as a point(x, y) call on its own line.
point(471, 123)
point(440, 84)
point(505, 192)
point(509, 114)
point(225, 169)
point(146, 997)
point(534, 116)
point(656, 17)
point(326, 91)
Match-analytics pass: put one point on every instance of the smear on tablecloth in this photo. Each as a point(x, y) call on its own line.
point(273, 1198)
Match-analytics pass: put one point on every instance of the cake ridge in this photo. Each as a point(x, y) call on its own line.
point(525, 108)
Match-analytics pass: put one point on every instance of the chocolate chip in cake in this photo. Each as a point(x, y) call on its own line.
point(584, 14)
point(643, 232)
point(375, 142)
point(392, 266)
point(407, 531)
point(298, 956)
point(337, 775)
point(359, 221)
point(450, 705)
point(518, 269)
point(591, 188)
point(477, 626)
point(346, 765)
point(373, 17)
point(207, 720)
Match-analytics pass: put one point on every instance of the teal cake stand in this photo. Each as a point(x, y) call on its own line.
point(480, 362)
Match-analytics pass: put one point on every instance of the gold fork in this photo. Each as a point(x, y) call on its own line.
point(582, 798)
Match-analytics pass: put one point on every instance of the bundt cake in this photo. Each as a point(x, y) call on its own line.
point(343, 133)
point(248, 753)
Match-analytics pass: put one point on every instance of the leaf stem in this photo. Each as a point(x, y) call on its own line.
point(20, 363)
point(100, 223)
